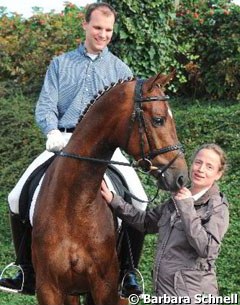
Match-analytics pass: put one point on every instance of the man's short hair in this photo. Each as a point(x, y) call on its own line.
point(105, 8)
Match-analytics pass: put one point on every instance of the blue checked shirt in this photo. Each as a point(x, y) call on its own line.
point(71, 81)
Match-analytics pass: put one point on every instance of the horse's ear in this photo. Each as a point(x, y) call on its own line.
point(169, 77)
point(162, 80)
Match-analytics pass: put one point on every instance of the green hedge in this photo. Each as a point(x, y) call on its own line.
point(28, 45)
point(208, 37)
point(200, 39)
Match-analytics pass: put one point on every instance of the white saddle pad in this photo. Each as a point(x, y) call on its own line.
point(130, 176)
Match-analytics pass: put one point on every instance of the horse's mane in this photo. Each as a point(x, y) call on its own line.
point(101, 93)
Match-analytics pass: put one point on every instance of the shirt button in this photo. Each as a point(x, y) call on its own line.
point(86, 89)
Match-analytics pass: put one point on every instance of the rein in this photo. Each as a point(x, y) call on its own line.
point(78, 157)
point(133, 164)
point(145, 162)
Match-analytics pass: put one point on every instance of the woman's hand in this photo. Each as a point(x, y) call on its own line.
point(183, 193)
point(107, 195)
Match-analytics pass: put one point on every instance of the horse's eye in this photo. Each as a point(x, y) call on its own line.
point(158, 121)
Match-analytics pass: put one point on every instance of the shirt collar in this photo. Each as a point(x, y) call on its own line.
point(214, 189)
point(199, 194)
point(83, 51)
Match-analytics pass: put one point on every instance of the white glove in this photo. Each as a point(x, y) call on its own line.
point(55, 140)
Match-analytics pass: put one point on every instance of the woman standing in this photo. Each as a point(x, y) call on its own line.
point(191, 226)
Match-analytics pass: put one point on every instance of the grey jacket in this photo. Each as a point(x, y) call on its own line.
point(190, 235)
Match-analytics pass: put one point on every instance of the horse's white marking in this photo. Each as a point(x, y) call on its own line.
point(170, 112)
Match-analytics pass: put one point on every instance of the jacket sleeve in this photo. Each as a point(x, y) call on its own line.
point(144, 221)
point(204, 238)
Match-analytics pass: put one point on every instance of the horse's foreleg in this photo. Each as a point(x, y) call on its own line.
point(89, 301)
point(47, 295)
point(72, 300)
point(123, 302)
point(104, 290)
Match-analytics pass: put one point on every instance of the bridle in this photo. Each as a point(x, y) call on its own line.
point(138, 114)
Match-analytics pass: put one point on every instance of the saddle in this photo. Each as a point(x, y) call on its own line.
point(29, 188)
point(117, 180)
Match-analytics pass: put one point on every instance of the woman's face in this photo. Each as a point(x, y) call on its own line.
point(205, 169)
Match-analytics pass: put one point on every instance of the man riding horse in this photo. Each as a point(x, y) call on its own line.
point(71, 81)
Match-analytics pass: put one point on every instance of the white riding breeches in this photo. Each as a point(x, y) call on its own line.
point(14, 195)
point(128, 173)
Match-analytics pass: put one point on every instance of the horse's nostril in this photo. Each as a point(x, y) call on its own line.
point(180, 181)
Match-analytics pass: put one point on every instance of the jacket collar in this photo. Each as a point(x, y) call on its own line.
point(214, 190)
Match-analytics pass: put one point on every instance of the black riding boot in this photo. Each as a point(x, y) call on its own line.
point(132, 244)
point(21, 234)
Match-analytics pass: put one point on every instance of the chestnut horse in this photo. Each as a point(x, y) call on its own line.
point(74, 242)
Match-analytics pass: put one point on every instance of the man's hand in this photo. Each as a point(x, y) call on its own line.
point(55, 141)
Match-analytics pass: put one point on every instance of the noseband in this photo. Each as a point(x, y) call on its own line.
point(138, 114)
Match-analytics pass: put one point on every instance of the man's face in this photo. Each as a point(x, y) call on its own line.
point(99, 31)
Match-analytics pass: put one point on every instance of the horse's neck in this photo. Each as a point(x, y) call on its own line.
point(102, 129)
point(92, 145)
point(92, 140)
point(99, 133)
point(92, 148)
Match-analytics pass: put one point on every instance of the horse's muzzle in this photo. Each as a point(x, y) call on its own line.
point(171, 180)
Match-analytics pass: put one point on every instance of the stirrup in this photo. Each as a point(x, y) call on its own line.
point(135, 270)
point(6, 289)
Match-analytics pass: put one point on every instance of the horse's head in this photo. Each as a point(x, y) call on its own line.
point(135, 116)
point(152, 138)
